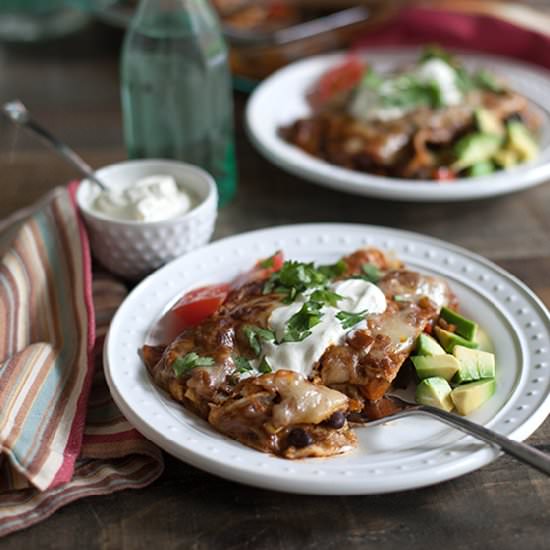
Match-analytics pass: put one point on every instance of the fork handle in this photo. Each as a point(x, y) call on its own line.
point(520, 451)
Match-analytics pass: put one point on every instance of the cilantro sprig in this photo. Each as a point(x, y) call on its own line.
point(242, 364)
point(300, 324)
point(325, 297)
point(294, 278)
point(333, 270)
point(264, 367)
point(190, 361)
point(370, 273)
point(348, 319)
point(256, 335)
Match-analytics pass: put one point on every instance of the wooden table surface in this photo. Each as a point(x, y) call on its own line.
point(72, 87)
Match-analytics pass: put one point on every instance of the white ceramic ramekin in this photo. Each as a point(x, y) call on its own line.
point(133, 249)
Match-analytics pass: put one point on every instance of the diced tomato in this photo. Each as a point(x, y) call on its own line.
point(261, 271)
point(444, 173)
point(270, 265)
point(337, 80)
point(198, 304)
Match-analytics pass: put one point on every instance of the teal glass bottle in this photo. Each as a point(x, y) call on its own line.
point(176, 89)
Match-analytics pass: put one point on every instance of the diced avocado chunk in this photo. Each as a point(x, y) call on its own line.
point(427, 345)
point(521, 141)
point(484, 342)
point(474, 364)
point(468, 397)
point(481, 169)
point(506, 157)
point(487, 122)
point(436, 392)
point(449, 340)
point(475, 148)
point(464, 327)
point(444, 366)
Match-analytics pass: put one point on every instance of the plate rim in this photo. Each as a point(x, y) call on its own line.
point(474, 460)
point(321, 172)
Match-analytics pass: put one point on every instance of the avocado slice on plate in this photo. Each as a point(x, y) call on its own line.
point(489, 123)
point(474, 364)
point(469, 397)
point(464, 327)
point(475, 148)
point(506, 158)
point(427, 345)
point(450, 339)
point(444, 366)
point(436, 392)
point(481, 169)
point(521, 141)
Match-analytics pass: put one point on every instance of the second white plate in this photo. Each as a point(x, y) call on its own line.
point(281, 99)
point(400, 455)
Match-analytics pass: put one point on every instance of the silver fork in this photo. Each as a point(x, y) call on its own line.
point(521, 451)
point(20, 115)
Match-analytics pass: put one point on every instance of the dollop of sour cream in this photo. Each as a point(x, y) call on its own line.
point(357, 296)
point(153, 198)
point(368, 104)
point(436, 70)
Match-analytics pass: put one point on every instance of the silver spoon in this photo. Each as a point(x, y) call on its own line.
point(520, 451)
point(18, 113)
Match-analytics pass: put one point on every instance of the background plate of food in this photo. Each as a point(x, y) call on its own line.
point(212, 434)
point(417, 125)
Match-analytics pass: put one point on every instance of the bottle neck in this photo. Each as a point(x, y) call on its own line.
point(148, 9)
point(174, 14)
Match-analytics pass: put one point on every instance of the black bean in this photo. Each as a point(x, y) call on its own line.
point(299, 438)
point(336, 420)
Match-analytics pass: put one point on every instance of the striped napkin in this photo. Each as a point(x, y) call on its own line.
point(61, 435)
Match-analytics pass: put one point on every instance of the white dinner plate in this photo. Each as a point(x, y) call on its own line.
point(281, 99)
point(403, 454)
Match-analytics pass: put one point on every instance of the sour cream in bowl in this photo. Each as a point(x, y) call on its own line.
point(152, 212)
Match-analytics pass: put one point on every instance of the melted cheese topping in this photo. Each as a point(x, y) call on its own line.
point(357, 296)
point(303, 402)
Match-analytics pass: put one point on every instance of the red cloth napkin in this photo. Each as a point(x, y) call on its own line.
point(478, 32)
point(61, 435)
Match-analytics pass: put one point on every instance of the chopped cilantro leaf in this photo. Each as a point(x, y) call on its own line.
point(348, 319)
point(242, 364)
point(264, 367)
point(326, 297)
point(487, 81)
point(333, 270)
point(400, 298)
point(433, 51)
point(371, 273)
point(190, 361)
point(294, 278)
point(268, 262)
point(255, 336)
point(300, 324)
point(372, 79)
